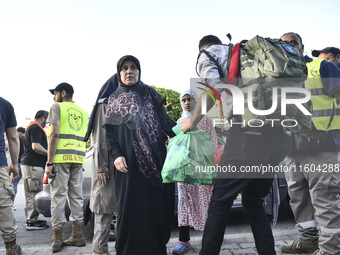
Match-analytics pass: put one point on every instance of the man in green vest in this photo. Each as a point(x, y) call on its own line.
point(332, 54)
point(66, 155)
point(314, 180)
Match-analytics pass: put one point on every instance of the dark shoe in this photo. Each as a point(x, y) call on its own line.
point(42, 221)
point(298, 247)
point(38, 225)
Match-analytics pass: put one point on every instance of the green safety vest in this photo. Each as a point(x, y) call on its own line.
point(322, 103)
point(72, 129)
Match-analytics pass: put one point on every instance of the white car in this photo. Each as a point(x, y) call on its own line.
point(43, 198)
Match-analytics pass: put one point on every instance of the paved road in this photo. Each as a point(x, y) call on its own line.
point(238, 239)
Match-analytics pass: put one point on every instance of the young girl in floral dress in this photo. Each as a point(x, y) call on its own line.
point(193, 200)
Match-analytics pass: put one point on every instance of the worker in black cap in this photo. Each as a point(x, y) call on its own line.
point(63, 86)
point(65, 159)
point(331, 54)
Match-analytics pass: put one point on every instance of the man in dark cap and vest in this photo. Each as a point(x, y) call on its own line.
point(314, 179)
point(66, 156)
point(331, 54)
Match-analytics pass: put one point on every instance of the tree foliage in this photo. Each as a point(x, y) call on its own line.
point(171, 102)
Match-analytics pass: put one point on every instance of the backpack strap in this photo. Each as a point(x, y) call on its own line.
point(220, 72)
point(332, 116)
point(230, 47)
point(234, 64)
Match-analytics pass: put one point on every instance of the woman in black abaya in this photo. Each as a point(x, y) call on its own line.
point(136, 124)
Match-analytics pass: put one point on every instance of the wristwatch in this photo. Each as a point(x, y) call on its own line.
point(49, 164)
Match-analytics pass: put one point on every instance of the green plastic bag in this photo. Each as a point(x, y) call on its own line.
point(190, 159)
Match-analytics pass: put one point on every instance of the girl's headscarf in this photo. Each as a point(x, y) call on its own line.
point(120, 64)
point(193, 96)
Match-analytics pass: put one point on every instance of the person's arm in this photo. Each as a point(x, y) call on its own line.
point(52, 148)
point(37, 137)
point(13, 145)
point(330, 77)
point(189, 123)
point(100, 154)
point(89, 148)
point(114, 149)
point(38, 148)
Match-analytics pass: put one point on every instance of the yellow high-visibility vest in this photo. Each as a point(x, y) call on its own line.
point(322, 103)
point(72, 129)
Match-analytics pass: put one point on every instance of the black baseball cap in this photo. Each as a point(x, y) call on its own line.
point(333, 50)
point(63, 86)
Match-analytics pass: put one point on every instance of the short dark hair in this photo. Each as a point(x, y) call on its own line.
point(40, 114)
point(21, 129)
point(293, 33)
point(209, 40)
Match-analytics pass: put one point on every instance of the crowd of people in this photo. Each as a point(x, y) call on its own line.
point(129, 130)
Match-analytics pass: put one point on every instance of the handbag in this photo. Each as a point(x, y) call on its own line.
point(310, 142)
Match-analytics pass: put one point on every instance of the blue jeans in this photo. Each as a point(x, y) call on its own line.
point(15, 184)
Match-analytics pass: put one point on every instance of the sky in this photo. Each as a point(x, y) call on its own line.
point(46, 42)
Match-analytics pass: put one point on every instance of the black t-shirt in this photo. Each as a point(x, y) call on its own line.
point(34, 134)
point(7, 120)
point(21, 150)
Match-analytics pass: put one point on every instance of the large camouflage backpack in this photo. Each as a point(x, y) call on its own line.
point(267, 66)
point(262, 67)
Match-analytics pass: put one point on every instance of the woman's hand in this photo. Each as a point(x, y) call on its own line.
point(121, 165)
point(103, 177)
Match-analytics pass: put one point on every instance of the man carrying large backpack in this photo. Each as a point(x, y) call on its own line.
point(246, 147)
point(314, 180)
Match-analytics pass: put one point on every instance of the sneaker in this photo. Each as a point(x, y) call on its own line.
point(298, 247)
point(41, 221)
point(320, 252)
point(38, 225)
point(181, 248)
